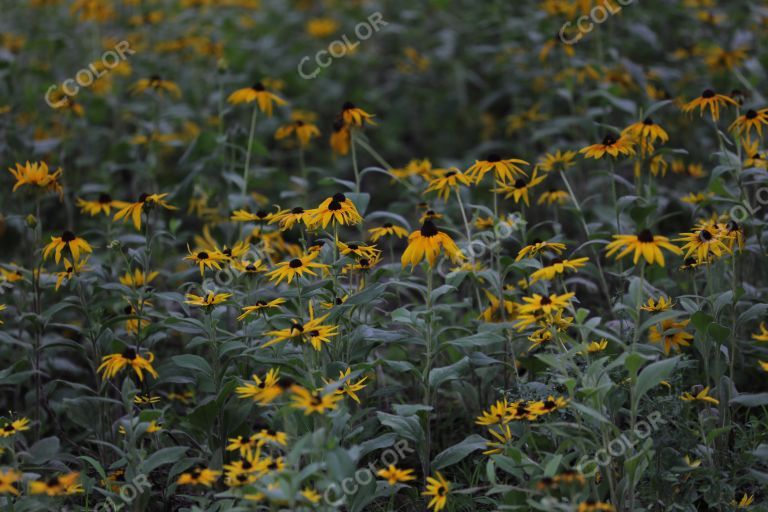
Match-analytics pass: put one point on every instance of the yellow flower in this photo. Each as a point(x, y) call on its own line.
point(428, 242)
point(144, 203)
point(260, 306)
point(14, 427)
point(313, 331)
point(57, 486)
point(245, 446)
point(557, 161)
point(751, 120)
point(103, 204)
point(264, 99)
point(349, 387)
point(287, 218)
point(745, 502)
point(553, 196)
point(36, 174)
point(70, 269)
point(646, 131)
point(504, 169)
point(654, 306)
point(503, 438)
point(597, 346)
point(9, 477)
point(207, 300)
point(205, 259)
point(67, 240)
point(557, 266)
point(312, 402)
point(303, 131)
point(709, 99)
point(546, 304)
point(157, 84)
point(393, 475)
point(595, 506)
point(341, 138)
point(138, 279)
point(354, 116)
point(387, 229)
point(702, 396)
point(551, 404)
point(339, 209)
point(538, 248)
point(113, 363)
point(311, 495)
point(321, 27)
point(672, 334)
point(438, 489)
point(645, 244)
point(199, 476)
point(265, 390)
point(611, 146)
point(266, 435)
point(763, 334)
point(692, 463)
point(518, 189)
point(497, 413)
point(450, 180)
point(296, 267)
point(703, 244)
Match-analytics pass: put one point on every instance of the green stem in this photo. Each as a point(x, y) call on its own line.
point(246, 168)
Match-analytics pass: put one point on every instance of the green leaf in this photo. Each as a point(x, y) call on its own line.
point(750, 400)
point(193, 362)
point(652, 375)
point(161, 457)
point(459, 451)
point(439, 375)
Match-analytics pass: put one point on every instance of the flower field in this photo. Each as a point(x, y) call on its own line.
point(447, 255)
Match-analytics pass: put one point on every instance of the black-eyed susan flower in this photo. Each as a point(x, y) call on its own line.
point(546, 304)
point(428, 242)
point(448, 181)
point(672, 334)
point(763, 334)
point(286, 219)
point(296, 268)
point(358, 250)
point(611, 145)
point(311, 495)
point(504, 169)
point(556, 267)
point(71, 269)
point(59, 485)
point(557, 161)
point(199, 476)
point(597, 346)
point(208, 300)
point(302, 130)
point(394, 475)
point(749, 121)
point(261, 306)
point(550, 405)
point(350, 387)
point(157, 84)
point(518, 189)
point(437, 489)
point(502, 438)
point(355, 116)
point(554, 196)
point(103, 204)
point(9, 477)
point(269, 436)
point(68, 240)
point(657, 306)
point(263, 390)
point(205, 259)
point(138, 278)
point(313, 402)
point(260, 216)
point(313, 331)
point(144, 400)
point(536, 248)
point(745, 501)
point(701, 396)
point(709, 99)
point(244, 445)
point(387, 229)
point(595, 506)
point(11, 428)
point(341, 138)
point(646, 131)
point(338, 209)
point(145, 202)
point(36, 174)
point(703, 244)
point(112, 364)
point(497, 413)
point(644, 244)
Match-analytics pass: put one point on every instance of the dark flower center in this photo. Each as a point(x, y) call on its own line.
point(648, 121)
point(732, 225)
point(708, 93)
point(493, 157)
point(8, 427)
point(258, 87)
point(450, 173)
point(441, 491)
point(546, 301)
point(556, 261)
point(520, 183)
point(295, 263)
point(353, 247)
point(127, 310)
point(428, 229)
point(261, 303)
point(705, 235)
point(549, 404)
point(143, 197)
point(645, 236)
point(242, 477)
point(228, 252)
point(314, 333)
point(247, 465)
point(751, 114)
point(53, 482)
point(387, 225)
point(67, 236)
point(339, 301)
point(105, 198)
point(334, 206)
point(364, 262)
point(689, 261)
point(299, 123)
point(202, 255)
point(251, 267)
point(155, 79)
point(129, 354)
point(298, 210)
point(261, 214)
point(348, 105)
point(609, 140)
